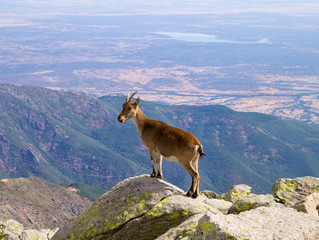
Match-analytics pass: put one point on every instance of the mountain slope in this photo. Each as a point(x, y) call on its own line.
point(71, 137)
point(48, 134)
point(38, 203)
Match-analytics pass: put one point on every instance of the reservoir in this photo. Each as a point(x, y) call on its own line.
point(206, 38)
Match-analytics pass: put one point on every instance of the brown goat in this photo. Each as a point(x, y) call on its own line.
point(163, 140)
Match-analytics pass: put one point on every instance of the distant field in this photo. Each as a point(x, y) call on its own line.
point(248, 56)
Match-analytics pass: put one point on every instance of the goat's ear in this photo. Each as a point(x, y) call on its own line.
point(138, 100)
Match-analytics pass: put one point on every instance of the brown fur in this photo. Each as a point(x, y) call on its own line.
point(164, 140)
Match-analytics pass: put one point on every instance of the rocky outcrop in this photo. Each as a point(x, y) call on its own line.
point(150, 208)
point(12, 230)
point(134, 204)
point(291, 191)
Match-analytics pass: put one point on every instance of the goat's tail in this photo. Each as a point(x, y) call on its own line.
point(201, 152)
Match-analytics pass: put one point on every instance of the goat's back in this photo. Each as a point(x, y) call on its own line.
point(168, 140)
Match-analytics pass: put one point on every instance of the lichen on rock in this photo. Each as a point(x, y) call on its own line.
point(246, 204)
point(237, 192)
point(13, 230)
point(209, 194)
point(168, 214)
point(290, 191)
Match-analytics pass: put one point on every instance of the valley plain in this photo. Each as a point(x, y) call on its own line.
point(248, 56)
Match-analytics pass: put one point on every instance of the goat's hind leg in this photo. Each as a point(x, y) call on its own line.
point(190, 192)
point(196, 187)
point(159, 159)
point(193, 191)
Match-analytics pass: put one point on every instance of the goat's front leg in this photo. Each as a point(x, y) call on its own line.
point(159, 165)
point(154, 173)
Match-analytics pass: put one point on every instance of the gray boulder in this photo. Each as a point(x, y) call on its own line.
point(209, 194)
point(237, 192)
point(185, 230)
point(170, 213)
point(12, 230)
point(309, 205)
point(44, 234)
point(291, 191)
point(263, 223)
point(246, 204)
point(219, 204)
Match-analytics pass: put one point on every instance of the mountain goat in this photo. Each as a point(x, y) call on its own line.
point(163, 140)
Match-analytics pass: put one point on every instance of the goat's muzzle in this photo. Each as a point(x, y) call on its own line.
point(121, 119)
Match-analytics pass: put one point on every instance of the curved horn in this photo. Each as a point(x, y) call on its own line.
point(131, 97)
point(127, 97)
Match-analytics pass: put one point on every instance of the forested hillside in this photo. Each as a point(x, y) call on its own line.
point(71, 137)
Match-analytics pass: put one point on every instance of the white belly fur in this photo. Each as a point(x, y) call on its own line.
point(172, 158)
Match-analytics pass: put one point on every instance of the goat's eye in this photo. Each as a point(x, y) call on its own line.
point(129, 108)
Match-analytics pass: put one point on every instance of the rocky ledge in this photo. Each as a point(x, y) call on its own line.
point(150, 208)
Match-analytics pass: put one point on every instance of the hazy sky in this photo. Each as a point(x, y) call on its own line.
point(155, 6)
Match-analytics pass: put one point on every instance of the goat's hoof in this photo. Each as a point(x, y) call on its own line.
point(159, 176)
point(153, 175)
point(189, 193)
point(194, 195)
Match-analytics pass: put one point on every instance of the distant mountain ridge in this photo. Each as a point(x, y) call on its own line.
point(69, 137)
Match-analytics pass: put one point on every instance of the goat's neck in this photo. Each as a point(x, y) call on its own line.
point(140, 120)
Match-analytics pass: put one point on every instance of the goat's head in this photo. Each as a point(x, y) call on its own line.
point(129, 108)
